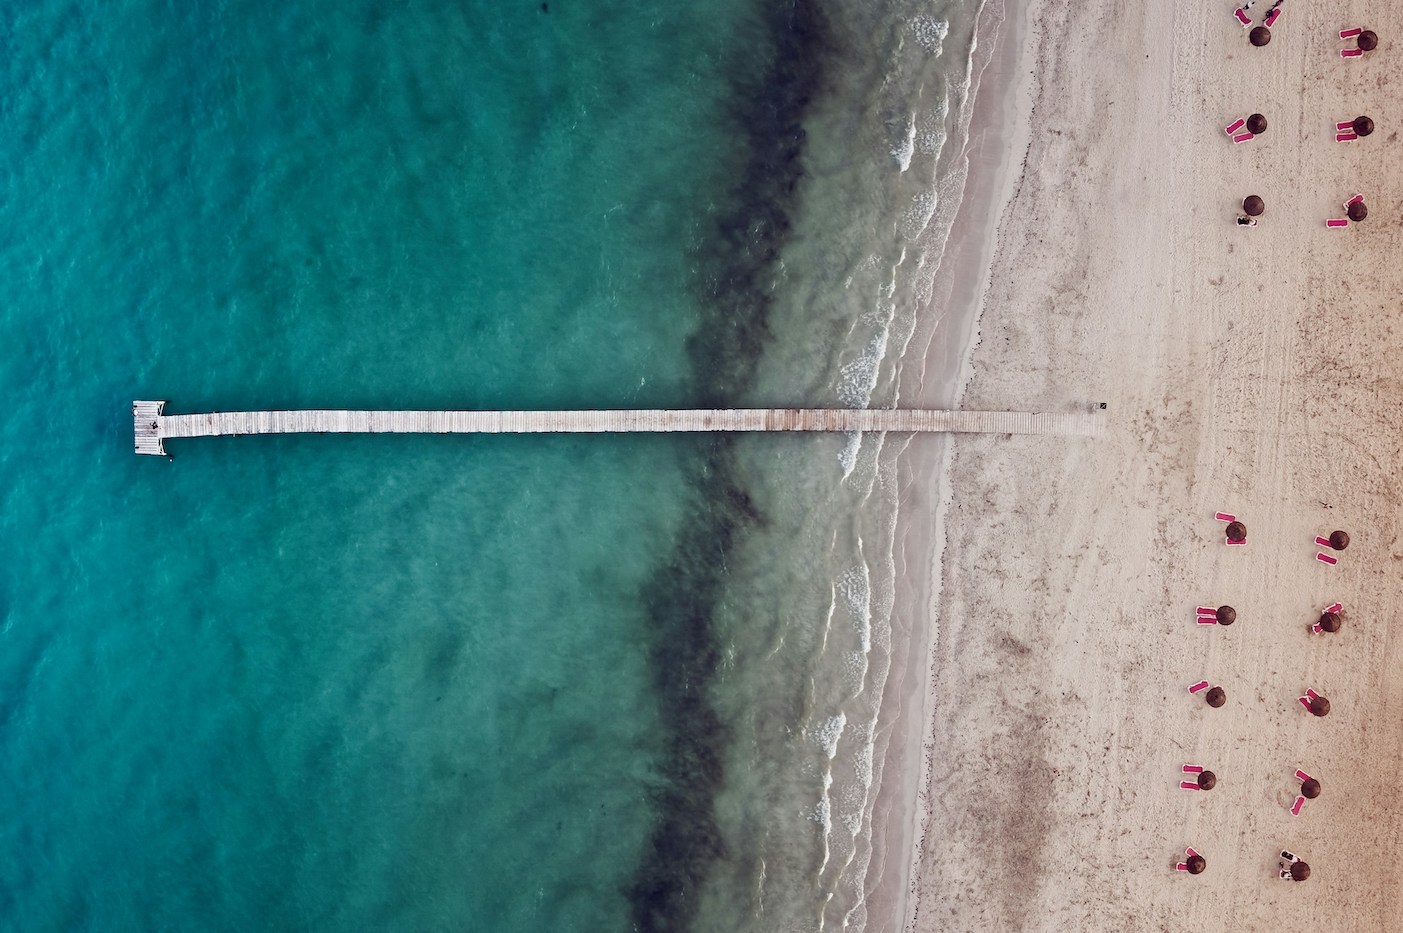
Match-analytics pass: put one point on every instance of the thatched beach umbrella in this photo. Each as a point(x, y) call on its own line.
point(1207, 780)
point(1319, 706)
point(1330, 621)
point(1237, 531)
point(1216, 697)
point(1197, 864)
point(1226, 615)
point(1252, 206)
point(1259, 36)
point(1300, 871)
point(1310, 788)
point(1363, 125)
point(1368, 40)
point(1339, 540)
point(1357, 211)
point(1257, 124)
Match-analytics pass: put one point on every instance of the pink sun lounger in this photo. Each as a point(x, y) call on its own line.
point(1272, 17)
point(1189, 853)
point(1301, 775)
point(1189, 785)
point(1207, 611)
point(1234, 126)
point(1193, 769)
point(1334, 607)
point(1351, 33)
point(1316, 628)
point(1243, 137)
point(1238, 543)
point(1346, 127)
point(1335, 223)
point(1305, 701)
point(1351, 53)
point(1296, 807)
point(1312, 694)
point(1322, 542)
point(1348, 204)
point(1326, 559)
point(1207, 620)
point(1346, 137)
point(1225, 517)
point(1242, 17)
point(1201, 685)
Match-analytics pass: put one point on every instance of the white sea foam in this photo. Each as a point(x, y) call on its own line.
point(829, 732)
point(907, 147)
point(930, 33)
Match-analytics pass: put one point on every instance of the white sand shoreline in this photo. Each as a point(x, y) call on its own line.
point(1245, 369)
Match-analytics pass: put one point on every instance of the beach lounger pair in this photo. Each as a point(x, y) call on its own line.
point(1238, 137)
point(1351, 34)
point(1207, 615)
point(1226, 517)
point(1310, 695)
point(1191, 785)
point(1300, 799)
point(1188, 853)
point(1333, 607)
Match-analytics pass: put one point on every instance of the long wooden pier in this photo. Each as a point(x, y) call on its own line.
point(153, 426)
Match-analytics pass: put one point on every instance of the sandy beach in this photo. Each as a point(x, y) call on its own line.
point(1248, 370)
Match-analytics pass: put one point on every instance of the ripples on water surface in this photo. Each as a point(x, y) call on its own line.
point(428, 683)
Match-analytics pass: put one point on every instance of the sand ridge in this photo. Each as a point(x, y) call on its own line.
point(1253, 370)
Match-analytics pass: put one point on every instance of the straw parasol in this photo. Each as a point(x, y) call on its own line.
point(1216, 697)
point(1259, 36)
point(1339, 540)
point(1320, 706)
point(1300, 871)
point(1207, 780)
point(1368, 40)
point(1357, 211)
point(1363, 125)
point(1252, 206)
point(1330, 621)
point(1226, 615)
point(1310, 788)
point(1197, 864)
point(1257, 124)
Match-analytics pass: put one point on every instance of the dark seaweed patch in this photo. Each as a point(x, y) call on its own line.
point(738, 291)
point(738, 263)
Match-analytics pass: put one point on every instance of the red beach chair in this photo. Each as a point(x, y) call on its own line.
point(1305, 701)
point(1319, 541)
point(1351, 33)
point(1193, 769)
point(1189, 785)
point(1346, 137)
point(1296, 807)
point(1351, 53)
point(1225, 517)
point(1333, 223)
point(1334, 607)
point(1239, 543)
point(1322, 556)
point(1348, 204)
point(1345, 127)
point(1242, 17)
point(1234, 126)
point(1270, 21)
point(1301, 775)
point(1243, 137)
point(1201, 685)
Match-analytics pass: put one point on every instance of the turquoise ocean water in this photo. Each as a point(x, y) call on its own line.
point(418, 683)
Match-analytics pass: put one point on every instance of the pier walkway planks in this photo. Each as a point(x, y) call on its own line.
point(153, 427)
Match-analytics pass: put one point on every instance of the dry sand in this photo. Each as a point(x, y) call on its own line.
point(1251, 370)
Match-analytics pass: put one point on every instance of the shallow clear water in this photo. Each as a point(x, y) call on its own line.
point(416, 683)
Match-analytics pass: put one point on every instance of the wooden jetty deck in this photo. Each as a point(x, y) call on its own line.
point(153, 427)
